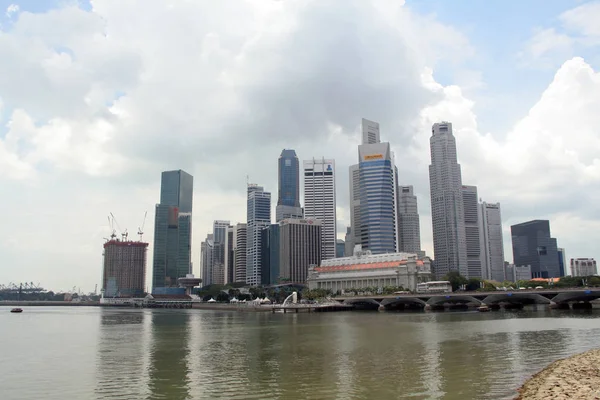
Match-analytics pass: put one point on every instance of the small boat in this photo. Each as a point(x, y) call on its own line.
point(16, 310)
point(483, 308)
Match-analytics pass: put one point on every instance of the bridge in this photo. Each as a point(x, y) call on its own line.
point(562, 298)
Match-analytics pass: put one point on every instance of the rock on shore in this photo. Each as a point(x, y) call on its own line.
point(576, 377)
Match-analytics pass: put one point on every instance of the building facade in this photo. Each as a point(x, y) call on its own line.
point(473, 235)
point(229, 256)
point(562, 261)
point(583, 267)
point(409, 228)
point(124, 272)
point(340, 248)
point(533, 245)
point(319, 200)
point(206, 260)
point(220, 228)
point(240, 236)
point(288, 199)
point(447, 212)
point(348, 242)
point(270, 249)
point(367, 270)
point(354, 174)
point(259, 217)
point(173, 230)
point(300, 244)
point(516, 273)
point(492, 241)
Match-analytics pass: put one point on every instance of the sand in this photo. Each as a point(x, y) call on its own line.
point(576, 377)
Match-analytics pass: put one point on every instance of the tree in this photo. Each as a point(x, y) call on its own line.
point(473, 284)
point(455, 279)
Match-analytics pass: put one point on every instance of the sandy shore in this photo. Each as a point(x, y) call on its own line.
point(576, 377)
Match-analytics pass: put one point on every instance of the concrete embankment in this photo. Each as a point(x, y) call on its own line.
point(576, 377)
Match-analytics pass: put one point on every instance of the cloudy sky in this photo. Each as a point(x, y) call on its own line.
point(97, 98)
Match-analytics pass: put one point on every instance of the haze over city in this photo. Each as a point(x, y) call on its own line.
point(94, 111)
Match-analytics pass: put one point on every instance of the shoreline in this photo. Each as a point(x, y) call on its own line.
point(574, 377)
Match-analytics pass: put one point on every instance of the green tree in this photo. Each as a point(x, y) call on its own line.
point(455, 279)
point(473, 284)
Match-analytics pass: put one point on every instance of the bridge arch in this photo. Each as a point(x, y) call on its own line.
point(410, 301)
point(516, 298)
point(586, 295)
point(363, 303)
point(462, 299)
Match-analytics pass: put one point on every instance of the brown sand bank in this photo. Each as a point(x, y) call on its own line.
point(576, 377)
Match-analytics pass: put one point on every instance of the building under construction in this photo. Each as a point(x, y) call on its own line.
point(124, 268)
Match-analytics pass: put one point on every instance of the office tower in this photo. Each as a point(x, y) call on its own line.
point(259, 217)
point(492, 242)
point(218, 263)
point(354, 175)
point(370, 132)
point(583, 267)
point(349, 242)
point(319, 200)
point(409, 227)
point(270, 255)
point(124, 272)
point(288, 199)
point(300, 244)
point(230, 255)
point(340, 248)
point(206, 259)
point(447, 213)
point(378, 198)
point(173, 229)
point(514, 273)
point(533, 245)
point(240, 252)
point(562, 261)
point(472, 232)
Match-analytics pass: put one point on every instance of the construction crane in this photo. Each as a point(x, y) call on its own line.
point(111, 225)
point(141, 229)
point(124, 233)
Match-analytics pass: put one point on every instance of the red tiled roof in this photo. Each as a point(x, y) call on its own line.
point(354, 267)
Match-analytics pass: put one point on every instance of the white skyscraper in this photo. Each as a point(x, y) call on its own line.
point(239, 252)
point(409, 227)
point(492, 243)
point(259, 217)
point(370, 132)
point(447, 213)
point(472, 232)
point(319, 200)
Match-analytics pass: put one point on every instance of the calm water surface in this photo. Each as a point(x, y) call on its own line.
point(94, 353)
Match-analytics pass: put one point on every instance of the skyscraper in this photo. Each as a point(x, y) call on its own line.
point(492, 248)
point(354, 175)
point(218, 263)
point(409, 227)
point(319, 200)
point(299, 248)
point(173, 229)
point(378, 198)
point(288, 199)
point(533, 245)
point(259, 217)
point(230, 255)
point(472, 232)
point(562, 261)
point(124, 271)
point(370, 132)
point(447, 213)
point(240, 252)
point(206, 259)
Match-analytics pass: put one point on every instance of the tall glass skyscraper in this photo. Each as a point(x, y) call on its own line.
point(288, 200)
point(259, 217)
point(173, 229)
point(533, 245)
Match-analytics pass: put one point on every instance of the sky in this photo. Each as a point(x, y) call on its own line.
point(98, 97)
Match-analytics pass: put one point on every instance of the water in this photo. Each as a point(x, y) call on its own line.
point(100, 353)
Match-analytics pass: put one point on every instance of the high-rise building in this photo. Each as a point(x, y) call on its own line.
point(492, 247)
point(370, 132)
point(206, 259)
point(349, 242)
point(230, 255)
point(472, 232)
point(533, 245)
point(583, 267)
point(124, 271)
point(354, 175)
point(270, 250)
point(562, 261)
point(409, 227)
point(288, 199)
point(340, 248)
point(173, 229)
point(218, 264)
point(259, 217)
point(319, 200)
point(378, 198)
point(240, 252)
point(447, 213)
point(299, 248)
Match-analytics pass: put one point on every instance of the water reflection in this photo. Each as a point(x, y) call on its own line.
point(169, 371)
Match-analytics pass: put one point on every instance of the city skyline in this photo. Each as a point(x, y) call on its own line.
point(94, 141)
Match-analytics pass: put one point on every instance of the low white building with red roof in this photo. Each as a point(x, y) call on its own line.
point(364, 269)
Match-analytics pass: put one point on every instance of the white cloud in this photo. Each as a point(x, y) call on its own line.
point(97, 103)
point(12, 9)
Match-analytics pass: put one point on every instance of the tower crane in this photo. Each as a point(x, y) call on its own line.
point(111, 225)
point(141, 229)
